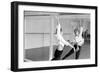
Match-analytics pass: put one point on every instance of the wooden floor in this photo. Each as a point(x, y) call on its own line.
point(42, 53)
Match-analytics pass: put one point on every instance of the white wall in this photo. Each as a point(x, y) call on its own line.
point(5, 36)
point(35, 26)
point(40, 25)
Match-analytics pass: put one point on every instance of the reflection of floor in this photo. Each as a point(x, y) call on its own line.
point(42, 53)
point(84, 53)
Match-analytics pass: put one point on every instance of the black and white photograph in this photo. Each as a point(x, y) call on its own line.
point(56, 36)
point(53, 36)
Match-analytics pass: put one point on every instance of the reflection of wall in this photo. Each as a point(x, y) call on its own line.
point(70, 22)
point(41, 26)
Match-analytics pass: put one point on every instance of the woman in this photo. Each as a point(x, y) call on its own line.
point(78, 42)
point(61, 43)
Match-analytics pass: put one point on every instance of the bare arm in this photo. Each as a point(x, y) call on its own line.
point(81, 30)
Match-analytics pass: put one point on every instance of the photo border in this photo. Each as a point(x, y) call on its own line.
point(14, 35)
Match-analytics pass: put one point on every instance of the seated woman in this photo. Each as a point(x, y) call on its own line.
point(78, 42)
point(61, 43)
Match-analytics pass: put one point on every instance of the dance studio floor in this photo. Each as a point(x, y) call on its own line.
point(42, 53)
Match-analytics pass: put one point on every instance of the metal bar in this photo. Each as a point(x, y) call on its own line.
point(51, 39)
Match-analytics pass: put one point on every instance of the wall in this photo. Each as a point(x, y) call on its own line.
point(37, 29)
point(5, 36)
